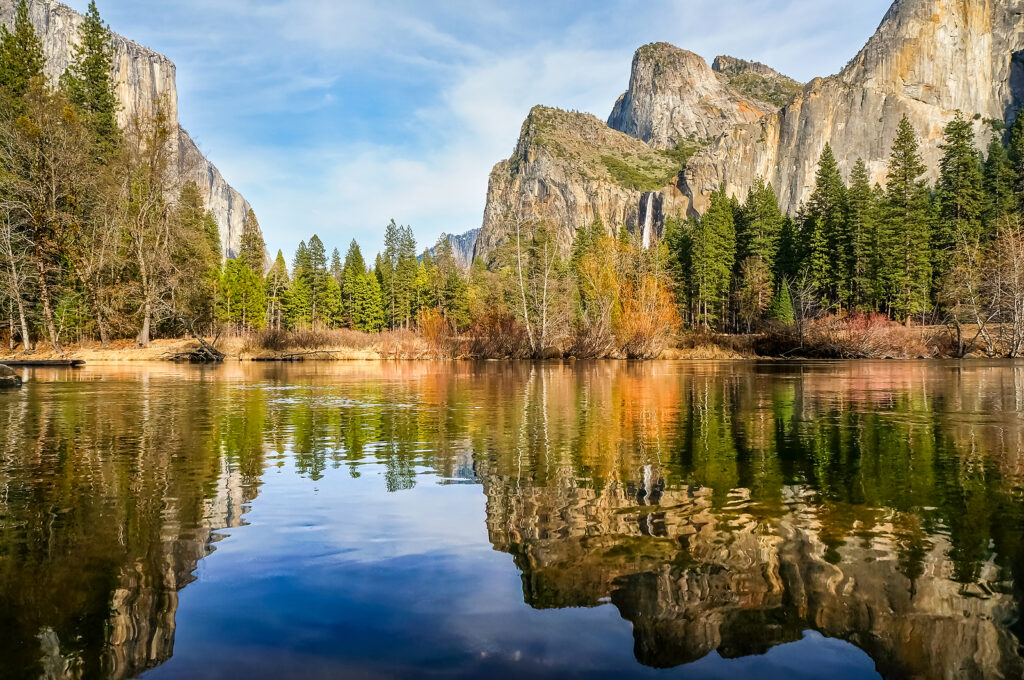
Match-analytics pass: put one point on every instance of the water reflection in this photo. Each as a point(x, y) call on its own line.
point(724, 508)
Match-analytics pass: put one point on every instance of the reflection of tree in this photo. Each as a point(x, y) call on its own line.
point(854, 500)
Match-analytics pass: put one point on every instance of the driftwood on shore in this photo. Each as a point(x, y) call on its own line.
point(297, 356)
point(73, 363)
point(205, 353)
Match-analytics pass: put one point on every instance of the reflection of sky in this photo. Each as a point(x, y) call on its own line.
point(337, 578)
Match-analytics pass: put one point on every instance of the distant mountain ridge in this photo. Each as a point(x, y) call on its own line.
point(144, 81)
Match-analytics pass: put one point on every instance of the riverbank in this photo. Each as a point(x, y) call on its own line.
point(888, 342)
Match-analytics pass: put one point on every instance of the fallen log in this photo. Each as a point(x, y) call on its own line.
point(205, 353)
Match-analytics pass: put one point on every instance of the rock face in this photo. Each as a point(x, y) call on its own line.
point(8, 378)
point(462, 247)
point(567, 170)
point(675, 98)
point(928, 59)
point(144, 82)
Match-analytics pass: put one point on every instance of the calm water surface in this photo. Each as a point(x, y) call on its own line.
point(698, 520)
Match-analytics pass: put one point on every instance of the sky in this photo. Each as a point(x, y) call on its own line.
point(334, 116)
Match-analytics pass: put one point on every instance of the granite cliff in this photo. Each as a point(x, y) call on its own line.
point(927, 59)
point(144, 81)
point(567, 170)
point(731, 123)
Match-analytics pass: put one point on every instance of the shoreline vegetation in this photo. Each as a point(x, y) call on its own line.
point(106, 251)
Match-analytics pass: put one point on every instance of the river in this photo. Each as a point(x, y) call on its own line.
point(607, 519)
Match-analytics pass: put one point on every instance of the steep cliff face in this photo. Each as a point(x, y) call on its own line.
point(462, 247)
point(675, 98)
point(144, 82)
point(568, 169)
point(927, 59)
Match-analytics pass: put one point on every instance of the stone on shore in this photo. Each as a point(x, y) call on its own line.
point(8, 378)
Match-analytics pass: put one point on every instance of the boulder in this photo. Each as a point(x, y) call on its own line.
point(8, 378)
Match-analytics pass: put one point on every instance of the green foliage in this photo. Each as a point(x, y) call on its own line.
point(245, 301)
point(709, 254)
point(252, 249)
point(829, 251)
point(21, 56)
point(1000, 181)
point(781, 307)
point(760, 224)
point(396, 271)
point(632, 177)
point(905, 229)
point(862, 220)
point(275, 287)
point(88, 80)
point(959, 193)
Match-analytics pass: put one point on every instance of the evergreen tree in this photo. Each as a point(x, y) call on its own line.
point(861, 220)
point(247, 303)
point(353, 272)
point(1015, 149)
point(198, 258)
point(829, 250)
point(711, 254)
point(315, 277)
point(781, 307)
point(396, 271)
point(760, 224)
point(88, 80)
point(337, 271)
point(905, 230)
point(449, 287)
point(21, 56)
point(276, 287)
point(1000, 181)
point(959, 193)
point(252, 248)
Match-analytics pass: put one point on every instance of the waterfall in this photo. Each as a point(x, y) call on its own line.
point(646, 234)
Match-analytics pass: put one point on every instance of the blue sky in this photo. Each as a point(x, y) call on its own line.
point(332, 117)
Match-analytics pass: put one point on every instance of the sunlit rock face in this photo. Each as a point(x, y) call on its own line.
point(927, 59)
point(675, 97)
point(569, 169)
point(145, 84)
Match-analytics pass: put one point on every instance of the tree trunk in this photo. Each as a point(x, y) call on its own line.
point(44, 296)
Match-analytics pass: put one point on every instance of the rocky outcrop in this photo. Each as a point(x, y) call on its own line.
point(8, 378)
point(757, 81)
point(145, 83)
point(675, 98)
point(567, 170)
point(928, 59)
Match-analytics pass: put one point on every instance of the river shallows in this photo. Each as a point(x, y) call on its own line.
point(770, 520)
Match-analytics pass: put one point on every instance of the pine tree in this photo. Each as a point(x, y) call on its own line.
point(88, 81)
point(959, 193)
point(276, 287)
point(760, 224)
point(781, 307)
point(905, 230)
point(336, 270)
point(21, 56)
point(353, 272)
point(1015, 150)
point(247, 303)
point(397, 274)
point(829, 250)
point(711, 254)
point(861, 219)
point(315, 277)
point(252, 248)
point(1000, 181)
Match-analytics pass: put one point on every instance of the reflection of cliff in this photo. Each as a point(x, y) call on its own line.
point(770, 507)
point(109, 507)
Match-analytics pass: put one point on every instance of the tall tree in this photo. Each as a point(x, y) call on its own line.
point(861, 220)
point(88, 80)
point(711, 253)
point(760, 224)
point(959, 193)
point(905, 230)
point(21, 56)
point(829, 252)
point(1000, 184)
point(252, 248)
point(275, 287)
